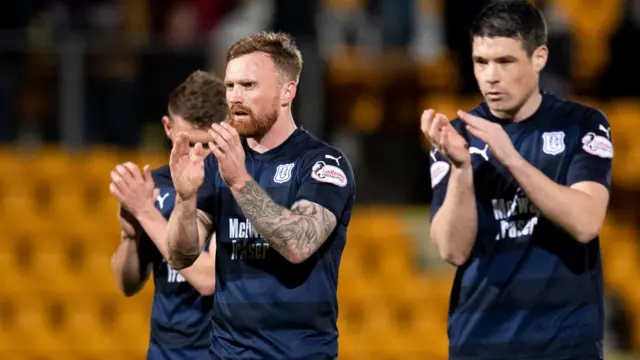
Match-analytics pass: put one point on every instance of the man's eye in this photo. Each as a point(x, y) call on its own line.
point(204, 145)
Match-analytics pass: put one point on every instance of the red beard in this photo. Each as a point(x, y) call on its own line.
point(251, 125)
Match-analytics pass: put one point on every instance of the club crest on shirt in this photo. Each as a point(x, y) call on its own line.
point(597, 145)
point(553, 142)
point(283, 173)
point(328, 174)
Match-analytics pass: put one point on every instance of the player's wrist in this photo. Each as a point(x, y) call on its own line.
point(145, 211)
point(464, 166)
point(240, 182)
point(186, 199)
point(514, 161)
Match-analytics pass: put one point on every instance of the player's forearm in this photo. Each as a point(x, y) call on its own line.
point(296, 234)
point(572, 210)
point(183, 245)
point(455, 225)
point(200, 273)
point(128, 271)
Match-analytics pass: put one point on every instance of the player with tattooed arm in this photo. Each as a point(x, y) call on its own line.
point(280, 202)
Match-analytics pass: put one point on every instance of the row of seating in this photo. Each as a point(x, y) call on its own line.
point(58, 294)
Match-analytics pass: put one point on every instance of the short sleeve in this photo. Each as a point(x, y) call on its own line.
point(440, 170)
point(326, 178)
point(593, 155)
point(207, 191)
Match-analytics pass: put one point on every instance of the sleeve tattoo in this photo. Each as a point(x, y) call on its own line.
point(297, 233)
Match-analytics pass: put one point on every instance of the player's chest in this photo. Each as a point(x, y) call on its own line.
point(548, 150)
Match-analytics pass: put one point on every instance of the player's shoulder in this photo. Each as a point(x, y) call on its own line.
point(162, 176)
point(575, 111)
point(315, 148)
point(326, 161)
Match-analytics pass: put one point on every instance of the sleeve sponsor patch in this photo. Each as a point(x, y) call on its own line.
point(439, 170)
point(597, 145)
point(328, 174)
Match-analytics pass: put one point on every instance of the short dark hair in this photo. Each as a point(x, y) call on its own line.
point(280, 46)
point(200, 100)
point(516, 19)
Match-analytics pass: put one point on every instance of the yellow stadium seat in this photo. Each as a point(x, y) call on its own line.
point(90, 321)
point(19, 206)
point(13, 167)
point(132, 326)
point(7, 326)
point(12, 279)
point(154, 159)
point(622, 116)
point(50, 272)
point(437, 345)
point(382, 332)
point(51, 164)
point(396, 266)
point(40, 325)
point(351, 342)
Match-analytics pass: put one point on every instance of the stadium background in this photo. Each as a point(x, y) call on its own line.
point(84, 83)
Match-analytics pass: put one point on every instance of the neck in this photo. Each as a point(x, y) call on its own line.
point(279, 132)
point(524, 112)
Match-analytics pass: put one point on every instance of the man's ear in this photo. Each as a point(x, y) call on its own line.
point(167, 124)
point(288, 93)
point(540, 57)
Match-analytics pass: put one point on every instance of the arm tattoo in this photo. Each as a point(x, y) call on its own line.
point(297, 233)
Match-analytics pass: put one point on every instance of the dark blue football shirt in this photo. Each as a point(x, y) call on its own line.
point(266, 307)
point(180, 316)
point(529, 290)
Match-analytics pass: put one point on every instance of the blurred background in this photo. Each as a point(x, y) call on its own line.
point(84, 84)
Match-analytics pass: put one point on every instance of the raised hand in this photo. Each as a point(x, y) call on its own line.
point(444, 137)
point(134, 189)
point(187, 166)
point(227, 148)
point(494, 135)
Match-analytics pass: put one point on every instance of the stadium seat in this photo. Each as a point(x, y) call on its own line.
point(19, 205)
point(52, 164)
point(622, 116)
point(92, 321)
point(132, 326)
point(40, 324)
point(153, 159)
